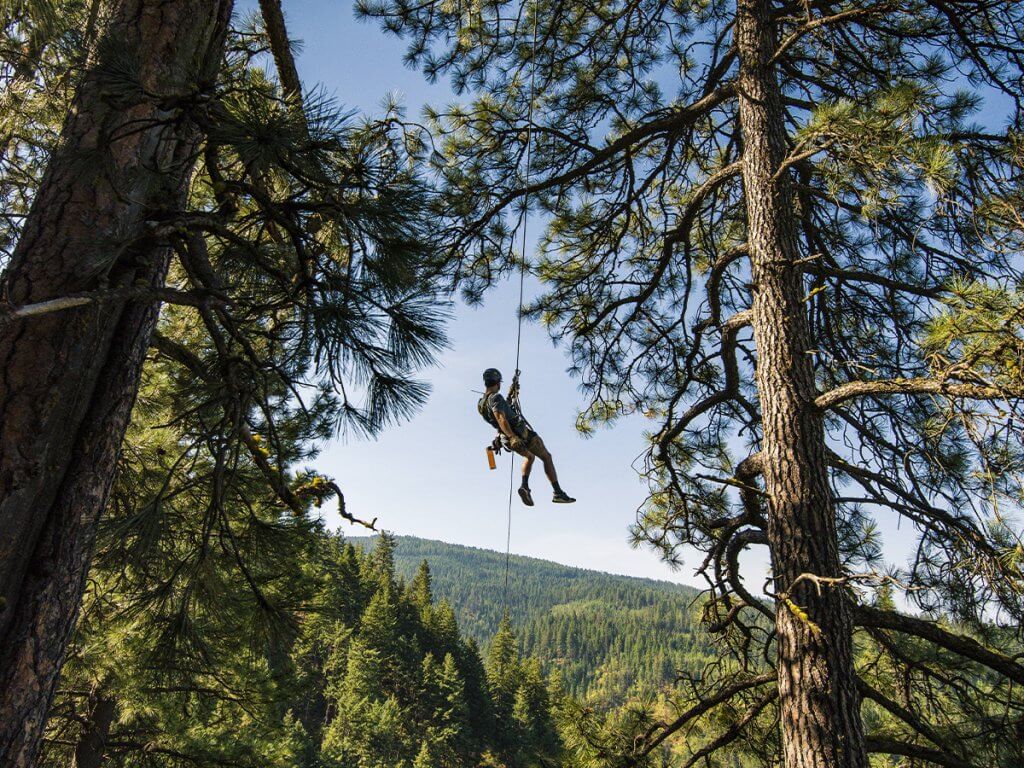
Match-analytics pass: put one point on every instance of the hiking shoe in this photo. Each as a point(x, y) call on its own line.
point(524, 494)
point(561, 497)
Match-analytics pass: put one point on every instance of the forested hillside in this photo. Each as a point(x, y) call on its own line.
point(607, 635)
point(369, 673)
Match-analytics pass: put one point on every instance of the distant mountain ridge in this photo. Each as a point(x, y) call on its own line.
point(608, 635)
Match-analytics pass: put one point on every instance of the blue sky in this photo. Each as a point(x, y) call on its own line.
point(429, 477)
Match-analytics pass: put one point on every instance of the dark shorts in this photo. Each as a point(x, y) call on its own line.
point(535, 447)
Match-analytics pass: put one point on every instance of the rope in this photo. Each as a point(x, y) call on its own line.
point(523, 221)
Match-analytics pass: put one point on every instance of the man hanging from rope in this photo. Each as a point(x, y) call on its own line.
point(516, 434)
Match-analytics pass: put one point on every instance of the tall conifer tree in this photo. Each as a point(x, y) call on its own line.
point(757, 212)
point(289, 249)
point(69, 378)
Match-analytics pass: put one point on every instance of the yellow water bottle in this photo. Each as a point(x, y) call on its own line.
point(490, 458)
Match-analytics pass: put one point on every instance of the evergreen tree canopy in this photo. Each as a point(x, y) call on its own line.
point(787, 233)
point(255, 261)
point(610, 638)
point(343, 689)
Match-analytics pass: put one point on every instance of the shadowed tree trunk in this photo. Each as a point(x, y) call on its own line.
point(68, 378)
point(280, 48)
point(92, 746)
point(821, 725)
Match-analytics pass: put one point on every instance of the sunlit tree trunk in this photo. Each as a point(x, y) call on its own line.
point(821, 726)
point(68, 378)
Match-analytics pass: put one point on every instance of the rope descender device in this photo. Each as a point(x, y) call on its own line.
point(513, 393)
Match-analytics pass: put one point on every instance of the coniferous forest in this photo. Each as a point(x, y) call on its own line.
point(371, 672)
point(610, 638)
point(786, 235)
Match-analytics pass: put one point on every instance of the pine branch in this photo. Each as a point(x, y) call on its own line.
point(734, 731)
point(731, 390)
point(192, 298)
point(915, 507)
point(811, 25)
point(905, 715)
point(182, 355)
point(705, 705)
point(917, 386)
point(736, 545)
point(962, 645)
point(280, 48)
point(681, 118)
point(888, 746)
point(863, 276)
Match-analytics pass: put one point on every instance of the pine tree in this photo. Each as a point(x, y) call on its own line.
point(420, 591)
point(756, 209)
point(444, 626)
point(69, 378)
point(378, 626)
point(452, 718)
point(481, 708)
point(503, 661)
point(367, 730)
point(503, 677)
point(426, 757)
point(382, 560)
point(289, 252)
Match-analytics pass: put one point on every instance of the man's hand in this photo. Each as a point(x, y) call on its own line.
point(496, 445)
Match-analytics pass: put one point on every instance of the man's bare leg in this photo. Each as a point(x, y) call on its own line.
point(528, 467)
point(549, 470)
point(524, 488)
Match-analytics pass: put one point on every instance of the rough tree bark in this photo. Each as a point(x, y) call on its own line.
point(68, 379)
point(821, 726)
point(280, 49)
point(91, 749)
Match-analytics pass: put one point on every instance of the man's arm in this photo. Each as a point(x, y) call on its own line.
point(501, 411)
point(515, 442)
point(506, 428)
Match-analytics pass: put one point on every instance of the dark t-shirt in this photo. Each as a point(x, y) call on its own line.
point(491, 405)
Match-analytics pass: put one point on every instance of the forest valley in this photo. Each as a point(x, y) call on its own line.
point(787, 234)
point(372, 673)
point(376, 673)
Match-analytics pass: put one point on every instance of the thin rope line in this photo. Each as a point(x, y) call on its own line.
point(524, 221)
point(526, 196)
point(508, 531)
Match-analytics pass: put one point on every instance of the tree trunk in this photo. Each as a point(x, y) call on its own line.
point(68, 379)
point(92, 746)
point(280, 49)
point(820, 716)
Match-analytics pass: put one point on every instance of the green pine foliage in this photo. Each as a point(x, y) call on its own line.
point(406, 688)
point(896, 166)
point(633, 657)
point(609, 637)
point(223, 626)
point(369, 669)
point(41, 55)
point(372, 674)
